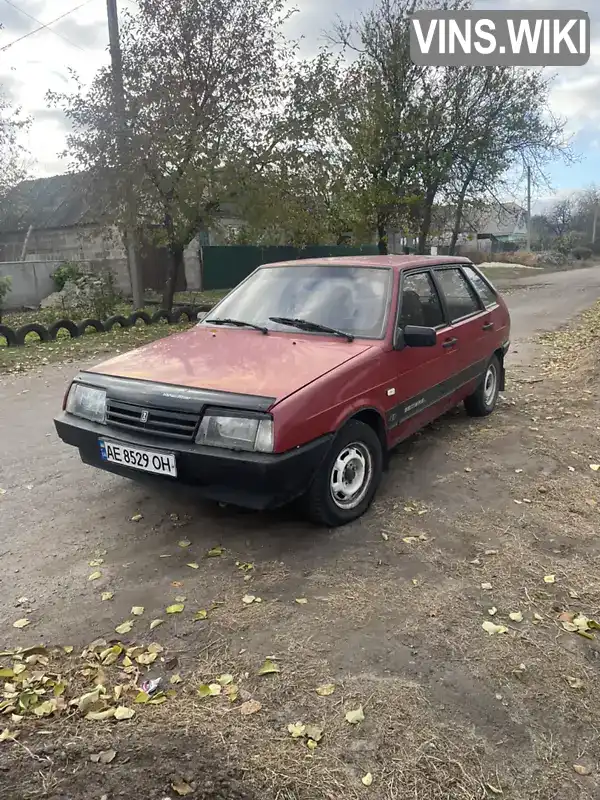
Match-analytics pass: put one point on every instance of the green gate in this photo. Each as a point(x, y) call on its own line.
point(224, 266)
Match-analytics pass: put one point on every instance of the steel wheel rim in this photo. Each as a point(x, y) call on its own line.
point(489, 385)
point(350, 476)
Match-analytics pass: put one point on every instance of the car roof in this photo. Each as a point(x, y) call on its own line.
point(394, 262)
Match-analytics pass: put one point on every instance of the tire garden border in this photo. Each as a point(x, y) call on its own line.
point(77, 329)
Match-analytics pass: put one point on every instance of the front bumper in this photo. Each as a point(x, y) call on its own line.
point(251, 480)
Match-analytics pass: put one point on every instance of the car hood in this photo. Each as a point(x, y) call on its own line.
point(239, 361)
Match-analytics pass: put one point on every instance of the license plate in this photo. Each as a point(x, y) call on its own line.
point(138, 458)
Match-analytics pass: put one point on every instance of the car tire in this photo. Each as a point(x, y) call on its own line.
point(139, 315)
point(33, 327)
point(483, 400)
point(8, 334)
point(96, 324)
point(117, 319)
point(63, 325)
point(359, 447)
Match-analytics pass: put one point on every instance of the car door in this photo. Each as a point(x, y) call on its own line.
point(420, 376)
point(469, 321)
point(496, 322)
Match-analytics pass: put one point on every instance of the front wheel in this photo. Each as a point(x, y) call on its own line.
point(345, 484)
point(483, 400)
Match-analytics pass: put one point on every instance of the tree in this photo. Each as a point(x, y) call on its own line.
point(204, 80)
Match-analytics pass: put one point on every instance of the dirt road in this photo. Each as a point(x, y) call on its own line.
point(57, 515)
point(56, 512)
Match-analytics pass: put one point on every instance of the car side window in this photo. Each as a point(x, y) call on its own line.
point(483, 289)
point(420, 304)
point(460, 297)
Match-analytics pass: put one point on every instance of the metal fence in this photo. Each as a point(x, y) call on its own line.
point(224, 266)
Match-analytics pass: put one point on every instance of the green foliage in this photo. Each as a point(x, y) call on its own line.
point(66, 272)
point(5, 284)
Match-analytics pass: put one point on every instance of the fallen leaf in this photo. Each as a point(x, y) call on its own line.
point(176, 608)
point(538, 617)
point(516, 616)
point(124, 627)
point(184, 543)
point(94, 576)
point(549, 578)
point(137, 611)
point(101, 716)
point(142, 698)
point(122, 712)
point(68, 649)
point(155, 623)
point(248, 599)
point(268, 668)
point(314, 732)
point(250, 707)
point(137, 517)
point(325, 690)
point(181, 787)
point(106, 756)
point(107, 595)
point(177, 584)
point(193, 565)
point(6, 735)
point(199, 615)
point(175, 679)
point(21, 623)
point(595, 467)
point(145, 659)
point(302, 601)
point(574, 683)
point(209, 689)
point(97, 562)
point(215, 552)
point(581, 769)
point(6, 672)
point(296, 730)
point(311, 744)
point(354, 717)
point(492, 628)
point(244, 567)
point(225, 680)
point(368, 778)
point(492, 611)
point(486, 586)
point(385, 537)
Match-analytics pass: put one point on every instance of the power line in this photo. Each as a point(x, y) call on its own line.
point(44, 26)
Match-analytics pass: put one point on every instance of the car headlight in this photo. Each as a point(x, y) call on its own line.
point(223, 429)
point(87, 402)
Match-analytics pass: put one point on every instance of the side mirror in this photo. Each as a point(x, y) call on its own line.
point(419, 336)
point(201, 315)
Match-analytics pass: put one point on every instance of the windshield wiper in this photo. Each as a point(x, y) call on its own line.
point(307, 325)
point(238, 323)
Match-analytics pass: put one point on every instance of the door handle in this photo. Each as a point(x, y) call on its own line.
point(449, 343)
point(488, 326)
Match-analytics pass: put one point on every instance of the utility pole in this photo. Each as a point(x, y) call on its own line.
point(116, 58)
point(595, 224)
point(529, 209)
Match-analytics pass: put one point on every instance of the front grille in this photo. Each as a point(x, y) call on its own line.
point(160, 421)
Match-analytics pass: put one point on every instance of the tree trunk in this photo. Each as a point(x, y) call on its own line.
point(426, 219)
point(460, 205)
point(382, 238)
point(174, 270)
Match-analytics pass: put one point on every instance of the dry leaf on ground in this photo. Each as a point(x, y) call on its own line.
point(250, 707)
point(325, 690)
point(367, 779)
point(356, 716)
point(268, 668)
point(176, 608)
point(492, 628)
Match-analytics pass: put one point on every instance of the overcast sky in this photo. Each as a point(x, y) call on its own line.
point(42, 61)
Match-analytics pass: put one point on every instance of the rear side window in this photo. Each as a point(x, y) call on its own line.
point(420, 304)
point(483, 289)
point(460, 296)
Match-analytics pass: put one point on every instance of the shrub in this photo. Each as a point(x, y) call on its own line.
point(66, 272)
point(476, 256)
point(92, 294)
point(5, 284)
point(581, 253)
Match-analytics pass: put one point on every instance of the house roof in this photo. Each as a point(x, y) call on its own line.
point(60, 201)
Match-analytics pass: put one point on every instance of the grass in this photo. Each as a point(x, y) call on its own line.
point(36, 354)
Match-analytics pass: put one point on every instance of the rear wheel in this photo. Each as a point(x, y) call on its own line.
point(483, 400)
point(347, 480)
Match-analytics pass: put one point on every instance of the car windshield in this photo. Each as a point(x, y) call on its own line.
point(349, 299)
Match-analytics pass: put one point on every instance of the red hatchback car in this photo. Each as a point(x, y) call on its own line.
point(299, 382)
